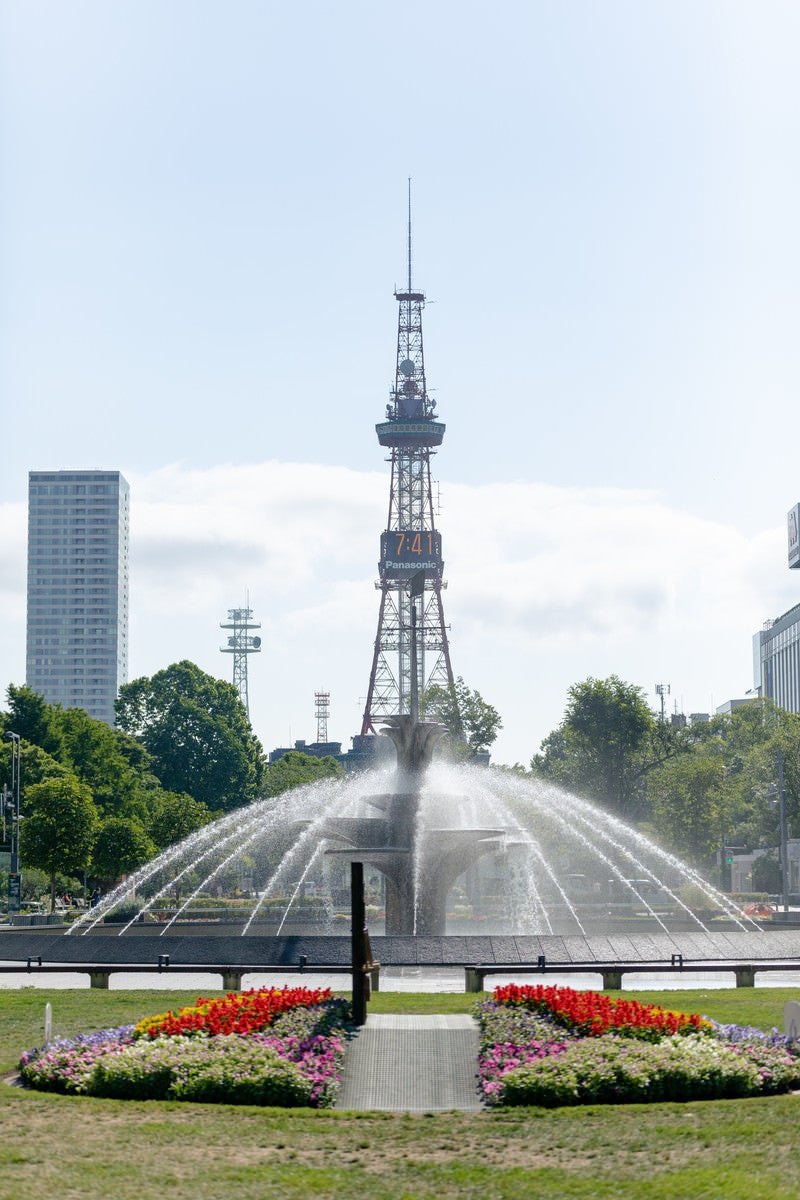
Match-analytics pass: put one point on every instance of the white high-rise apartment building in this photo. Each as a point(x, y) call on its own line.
point(78, 533)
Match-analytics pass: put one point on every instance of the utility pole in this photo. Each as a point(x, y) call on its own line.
point(777, 794)
point(662, 690)
point(14, 877)
point(784, 836)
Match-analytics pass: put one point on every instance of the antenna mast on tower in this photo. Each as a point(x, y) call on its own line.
point(411, 647)
point(240, 644)
point(662, 690)
point(323, 704)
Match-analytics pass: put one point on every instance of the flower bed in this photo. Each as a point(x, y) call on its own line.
point(237, 1012)
point(268, 1046)
point(592, 1013)
point(554, 1046)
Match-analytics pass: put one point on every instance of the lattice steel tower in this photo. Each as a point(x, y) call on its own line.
point(322, 701)
point(411, 567)
point(240, 644)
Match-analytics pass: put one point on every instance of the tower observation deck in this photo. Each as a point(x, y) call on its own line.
point(411, 567)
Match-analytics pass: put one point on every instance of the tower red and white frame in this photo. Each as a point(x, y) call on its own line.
point(411, 568)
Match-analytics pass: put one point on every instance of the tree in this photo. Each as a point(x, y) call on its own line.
point(296, 768)
point(689, 810)
point(196, 730)
point(34, 719)
point(746, 744)
point(35, 765)
point(59, 829)
point(606, 745)
point(56, 741)
point(767, 873)
point(120, 847)
point(115, 766)
point(92, 750)
point(472, 724)
point(174, 817)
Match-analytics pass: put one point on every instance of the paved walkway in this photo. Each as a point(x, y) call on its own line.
point(412, 1064)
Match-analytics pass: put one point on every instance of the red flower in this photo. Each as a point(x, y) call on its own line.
point(238, 1012)
point(592, 1013)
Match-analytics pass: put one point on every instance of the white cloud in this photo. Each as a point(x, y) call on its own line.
point(565, 564)
point(547, 585)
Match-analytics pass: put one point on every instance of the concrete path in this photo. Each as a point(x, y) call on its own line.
point(412, 1064)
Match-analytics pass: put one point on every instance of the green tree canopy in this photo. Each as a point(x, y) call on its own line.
point(59, 829)
point(113, 765)
point(121, 845)
point(196, 730)
point(34, 719)
point(175, 816)
point(472, 723)
point(746, 743)
point(296, 768)
point(689, 808)
point(35, 765)
point(607, 743)
point(94, 752)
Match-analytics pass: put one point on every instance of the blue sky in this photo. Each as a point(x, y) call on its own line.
point(202, 220)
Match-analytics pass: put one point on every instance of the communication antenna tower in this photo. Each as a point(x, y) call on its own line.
point(323, 703)
point(240, 644)
point(411, 647)
point(662, 690)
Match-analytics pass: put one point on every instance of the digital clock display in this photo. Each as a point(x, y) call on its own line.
point(406, 551)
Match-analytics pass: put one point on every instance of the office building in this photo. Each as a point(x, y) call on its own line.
point(776, 660)
point(77, 644)
point(776, 647)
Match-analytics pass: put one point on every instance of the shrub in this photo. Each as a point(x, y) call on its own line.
point(613, 1070)
point(225, 1070)
point(67, 1064)
point(553, 1046)
point(512, 1037)
point(272, 1046)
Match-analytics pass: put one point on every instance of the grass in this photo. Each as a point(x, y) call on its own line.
point(56, 1147)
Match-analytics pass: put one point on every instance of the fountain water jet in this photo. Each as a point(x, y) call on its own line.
point(420, 863)
point(528, 857)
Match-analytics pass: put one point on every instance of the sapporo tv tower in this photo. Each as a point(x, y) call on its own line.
point(411, 567)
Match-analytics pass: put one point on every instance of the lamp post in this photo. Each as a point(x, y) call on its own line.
point(778, 794)
point(14, 889)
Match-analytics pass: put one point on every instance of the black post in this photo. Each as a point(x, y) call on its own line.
point(358, 913)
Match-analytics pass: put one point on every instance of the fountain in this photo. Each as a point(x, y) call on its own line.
point(449, 849)
point(419, 866)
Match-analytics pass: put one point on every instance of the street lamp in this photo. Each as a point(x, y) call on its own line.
point(773, 794)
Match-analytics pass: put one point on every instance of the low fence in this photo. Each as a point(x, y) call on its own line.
point(475, 974)
point(612, 973)
point(100, 973)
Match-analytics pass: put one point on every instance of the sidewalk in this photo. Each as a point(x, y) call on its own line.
point(412, 1064)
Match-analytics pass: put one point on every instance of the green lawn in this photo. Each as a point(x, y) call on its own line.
point(56, 1147)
